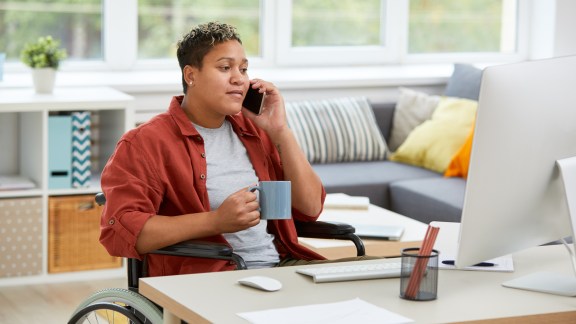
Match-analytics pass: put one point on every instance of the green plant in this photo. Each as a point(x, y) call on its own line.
point(44, 53)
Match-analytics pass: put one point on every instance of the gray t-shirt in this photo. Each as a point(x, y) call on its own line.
point(228, 170)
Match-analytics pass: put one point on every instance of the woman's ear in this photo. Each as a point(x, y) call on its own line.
point(189, 74)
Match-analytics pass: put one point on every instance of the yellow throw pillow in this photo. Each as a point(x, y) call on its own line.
point(432, 144)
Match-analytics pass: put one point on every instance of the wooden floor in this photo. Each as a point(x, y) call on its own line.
point(48, 303)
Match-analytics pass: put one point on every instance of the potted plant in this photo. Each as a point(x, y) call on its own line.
point(44, 57)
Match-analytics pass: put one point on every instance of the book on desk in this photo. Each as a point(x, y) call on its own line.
point(344, 201)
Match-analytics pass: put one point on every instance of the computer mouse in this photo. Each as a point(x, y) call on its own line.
point(261, 282)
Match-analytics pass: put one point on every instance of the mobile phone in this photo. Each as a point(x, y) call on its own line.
point(254, 100)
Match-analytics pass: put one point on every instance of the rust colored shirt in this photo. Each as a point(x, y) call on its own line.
point(159, 168)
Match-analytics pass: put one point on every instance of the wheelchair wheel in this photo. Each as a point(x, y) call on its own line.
point(116, 305)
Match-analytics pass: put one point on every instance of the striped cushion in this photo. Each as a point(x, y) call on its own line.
point(336, 130)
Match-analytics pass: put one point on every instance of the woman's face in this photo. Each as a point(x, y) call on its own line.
point(220, 85)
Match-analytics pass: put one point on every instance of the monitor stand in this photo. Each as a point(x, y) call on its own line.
point(548, 282)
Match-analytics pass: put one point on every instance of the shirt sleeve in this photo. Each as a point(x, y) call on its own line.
point(130, 185)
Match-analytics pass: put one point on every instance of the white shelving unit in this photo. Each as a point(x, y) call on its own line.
point(24, 152)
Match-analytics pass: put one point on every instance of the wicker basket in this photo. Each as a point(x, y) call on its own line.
point(73, 232)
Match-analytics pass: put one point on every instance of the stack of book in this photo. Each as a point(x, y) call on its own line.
point(15, 182)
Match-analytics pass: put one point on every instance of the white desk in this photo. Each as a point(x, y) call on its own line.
point(462, 295)
point(414, 232)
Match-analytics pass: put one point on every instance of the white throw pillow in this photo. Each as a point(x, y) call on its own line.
point(336, 130)
point(412, 109)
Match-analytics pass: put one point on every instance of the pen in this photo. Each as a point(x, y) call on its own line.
point(481, 264)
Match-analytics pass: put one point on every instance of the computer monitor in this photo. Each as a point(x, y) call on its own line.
point(516, 193)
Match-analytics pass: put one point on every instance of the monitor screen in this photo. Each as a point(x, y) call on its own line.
point(515, 197)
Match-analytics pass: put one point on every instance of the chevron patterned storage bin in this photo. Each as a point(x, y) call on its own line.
point(81, 149)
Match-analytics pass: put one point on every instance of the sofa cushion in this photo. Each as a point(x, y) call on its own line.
point(464, 82)
point(433, 143)
point(336, 130)
point(369, 179)
point(412, 109)
point(384, 113)
point(429, 199)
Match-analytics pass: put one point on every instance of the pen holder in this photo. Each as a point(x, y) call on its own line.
point(419, 275)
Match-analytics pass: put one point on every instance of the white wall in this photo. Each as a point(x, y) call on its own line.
point(553, 23)
point(565, 42)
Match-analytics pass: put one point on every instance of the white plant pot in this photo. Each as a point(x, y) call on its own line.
point(43, 79)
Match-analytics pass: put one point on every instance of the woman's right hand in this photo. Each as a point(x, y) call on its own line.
point(237, 212)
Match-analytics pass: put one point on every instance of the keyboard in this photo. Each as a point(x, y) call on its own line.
point(346, 272)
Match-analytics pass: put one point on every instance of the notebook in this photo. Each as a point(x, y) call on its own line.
point(343, 201)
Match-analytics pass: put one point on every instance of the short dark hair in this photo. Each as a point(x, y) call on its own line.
point(199, 41)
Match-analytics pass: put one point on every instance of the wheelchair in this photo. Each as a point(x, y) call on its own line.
point(119, 305)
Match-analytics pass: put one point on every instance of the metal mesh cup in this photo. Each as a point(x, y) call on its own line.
point(419, 275)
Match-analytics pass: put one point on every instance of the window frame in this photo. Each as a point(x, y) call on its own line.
point(387, 52)
point(120, 43)
point(120, 34)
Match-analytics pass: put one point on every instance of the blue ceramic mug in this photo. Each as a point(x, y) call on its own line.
point(275, 199)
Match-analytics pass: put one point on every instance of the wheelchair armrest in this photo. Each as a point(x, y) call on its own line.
point(197, 249)
point(203, 249)
point(321, 229)
point(331, 230)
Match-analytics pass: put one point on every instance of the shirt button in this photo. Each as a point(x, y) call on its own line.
point(202, 176)
point(198, 139)
point(203, 155)
point(111, 222)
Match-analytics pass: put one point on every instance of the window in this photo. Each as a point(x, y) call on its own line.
point(161, 23)
point(77, 24)
point(336, 23)
point(453, 26)
point(141, 34)
point(328, 32)
point(325, 32)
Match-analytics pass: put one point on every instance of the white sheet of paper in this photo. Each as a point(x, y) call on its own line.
point(351, 311)
point(504, 264)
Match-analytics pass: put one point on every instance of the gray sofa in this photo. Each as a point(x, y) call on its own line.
point(412, 191)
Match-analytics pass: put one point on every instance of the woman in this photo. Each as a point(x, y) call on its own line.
point(184, 174)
